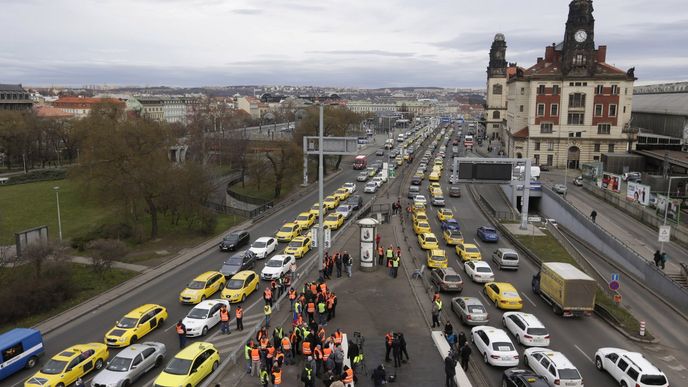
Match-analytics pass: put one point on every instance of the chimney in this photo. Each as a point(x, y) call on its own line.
point(602, 54)
point(539, 59)
point(549, 54)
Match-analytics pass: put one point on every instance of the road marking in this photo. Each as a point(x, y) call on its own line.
point(475, 242)
point(528, 298)
point(584, 354)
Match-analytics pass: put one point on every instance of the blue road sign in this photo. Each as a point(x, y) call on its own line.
point(615, 276)
point(614, 285)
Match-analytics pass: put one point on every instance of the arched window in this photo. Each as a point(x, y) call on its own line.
point(495, 114)
point(497, 89)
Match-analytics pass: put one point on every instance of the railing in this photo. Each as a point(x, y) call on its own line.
point(248, 214)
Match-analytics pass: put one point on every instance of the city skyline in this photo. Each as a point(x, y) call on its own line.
point(339, 44)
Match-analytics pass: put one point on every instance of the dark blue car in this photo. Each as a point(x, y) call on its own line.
point(450, 224)
point(487, 234)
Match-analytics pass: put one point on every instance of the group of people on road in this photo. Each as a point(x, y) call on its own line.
point(389, 257)
point(396, 344)
point(336, 261)
point(661, 259)
point(459, 350)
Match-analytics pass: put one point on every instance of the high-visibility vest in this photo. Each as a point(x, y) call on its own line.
point(297, 307)
point(317, 354)
point(311, 307)
point(323, 288)
point(439, 304)
point(308, 373)
point(279, 332)
point(358, 358)
point(306, 349)
point(264, 377)
point(286, 344)
point(349, 378)
point(322, 307)
point(264, 342)
point(314, 288)
point(292, 294)
point(239, 313)
point(390, 253)
point(267, 294)
point(321, 334)
point(267, 310)
point(271, 352)
point(337, 337)
point(180, 329)
point(224, 315)
point(395, 262)
point(389, 338)
point(255, 354)
point(247, 351)
point(326, 353)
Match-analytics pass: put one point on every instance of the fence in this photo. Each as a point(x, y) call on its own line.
point(248, 214)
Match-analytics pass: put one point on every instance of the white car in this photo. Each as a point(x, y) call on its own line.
point(345, 210)
point(370, 187)
point(378, 180)
point(479, 271)
point(495, 346)
point(526, 328)
point(351, 187)
point(553, 366)
point(420, 199)
point(277, 266)
point(203, 316)
point(629, 368)
point(263, 246)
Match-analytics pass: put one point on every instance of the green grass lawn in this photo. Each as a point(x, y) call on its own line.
point(25, 206)
point(89, 285)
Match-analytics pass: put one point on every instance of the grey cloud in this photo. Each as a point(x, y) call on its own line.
point(364, 52)
point(247, 11)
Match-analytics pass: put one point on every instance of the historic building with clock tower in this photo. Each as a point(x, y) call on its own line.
point(570, 107)
point(498, 72)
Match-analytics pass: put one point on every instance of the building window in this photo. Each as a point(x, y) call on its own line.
point(599, 89)
point(596, 158)
point(610, 148)
point(537, 145)
point(496, 89)
point(612, 110)
point(523, 91)
point(554, 110)
point(550, 146)
point(604, 128)
point(615, 89)
point(577, 100)
point(570, 83)
point(624, 109)
point(599, 109)
point(540, 109)
point(495, 126)
point(520, 108)
point(546, 128)
point(576, 118)
point(550, 160)
point(555, 90)
point(596, 147)
point(579, 60)
point(541, 89)
point(626, 91)
point(537, 159)
point(495, 115)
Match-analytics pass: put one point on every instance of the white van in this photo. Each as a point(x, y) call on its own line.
point(400, 137)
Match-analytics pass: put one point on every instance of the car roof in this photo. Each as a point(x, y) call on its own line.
point(138, 312)
point(289, 224)
point(428, 234)
point(505, 286)
point(280, 257)
point(243, 274)
point(471, 300)
point(505, 250)
point(488, 228)
point(209, 303)
point(131, 351)
point(469, 245)
point(448, 271)
point(478, 263)
point(493, 333)
point(530, 319)
point(193, 349)
point(438, 252)
point(205, 276)
point(305, 213)
point(559, 359)
point(639, 360)
point(299, 238)
point(263, 239)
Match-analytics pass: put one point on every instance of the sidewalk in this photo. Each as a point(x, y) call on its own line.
point(371, 303)
point(115, 264)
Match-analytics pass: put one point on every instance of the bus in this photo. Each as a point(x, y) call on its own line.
point(19, 348)
point(360, 162)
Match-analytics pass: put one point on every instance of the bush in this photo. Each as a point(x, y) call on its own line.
point(42, 175)
point(208, 222)
point(105, 231)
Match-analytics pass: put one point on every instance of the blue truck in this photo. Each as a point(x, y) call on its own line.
point(19, 348)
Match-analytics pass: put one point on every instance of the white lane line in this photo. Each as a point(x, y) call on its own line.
point(475, 242)
point(584, 354)
point(529, 300)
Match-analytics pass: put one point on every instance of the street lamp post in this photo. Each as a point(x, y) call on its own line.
point(59, 219)
point(321, 231)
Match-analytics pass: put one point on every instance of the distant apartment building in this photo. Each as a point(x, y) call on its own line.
point(14, 97)
point(152, 107)
point(252, 105)
point(416, 107)
point(81, 107)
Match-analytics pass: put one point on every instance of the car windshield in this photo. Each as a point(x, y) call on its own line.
point(303, 217)
point(295, 243)
point(258, 245)
point(53, 367)
point(452, 278)
point(196, 285)
point(198, 313)
point(454, 234)
point(502, 346)
point(286, 229)
point(231, 238)
point(234, 261)
point(178, 366)
point(482, 269)
point(475, 309)
point(127, 322)
point(509, 257)
point(472, 249)
point(119, 364)
point(488, 231)
point(537, 331)
point(430, 239)
point(274, 263)
point(569, 373)
point(332, 217)
point(235, 284)
point(653, 380)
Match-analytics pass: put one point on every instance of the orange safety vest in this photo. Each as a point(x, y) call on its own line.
point(286, 344)
point(311, 307)
point(255, 354)
point(278, 377)
point(323, 288)
point(389, 338)
point(239, 313)
point(224, 315)
point(180, 329)
point(318, 353)
point(314, 288)
point(349, 378)
point(264, 342)
point(267, 294)
point(337, 337)
point(380, 251)
point(326, 353)
point(271, 352)
point(321, 334)
point(292, 294)
point(306, 349)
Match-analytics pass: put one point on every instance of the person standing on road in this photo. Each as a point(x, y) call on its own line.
point(380, 255)
point(402, 342)
point(449, 370)
point(593, 215)
point(255, 360)
point(664, 260)
point(657, 258)
point(264, 376)
point(389, 339)
point(267, 311)
point(462, 339)
point(181, 331)
point(436, 307)
point(379, 376)
point(267, 296)
point(390, 255)
point(465, 355)
point(396, 350)
point(395, 266)
point(239, 314)
point(224, 320)
point(247, 355)
point(338, 264)
point(307, 376)
point(378, 238)
point(348, 262)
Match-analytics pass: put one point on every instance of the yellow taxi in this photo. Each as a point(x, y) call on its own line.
point(418, 207)
point(428, 241)
point(467, 251)
point(299, 246)
point(399, 160)
point(439, 163)
point(420, 175)
point(341, 194)
point(436, 192)
point(452, 237)
point(434, 185)
point(288, 232)
point(420, 215)
point(421, 227)
point(202, 287)
point(434, 176)
point(406, 156)
point(436, 259)
point(305, 220)
point(504, 295)
point(334, 220)
point(331, 202)
point(135, 324)
point(315, 209)
point(444, 214)
point(240, 286)
point(189, 366)
point(69, 365)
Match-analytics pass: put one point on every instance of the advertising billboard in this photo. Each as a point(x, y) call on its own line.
point(672, 212)
point(611, 182)
point(638, 193)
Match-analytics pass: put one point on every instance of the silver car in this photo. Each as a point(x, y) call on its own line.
point(470, 310)
point(130, 364)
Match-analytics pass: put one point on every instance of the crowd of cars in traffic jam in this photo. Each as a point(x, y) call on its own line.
point(498, 346)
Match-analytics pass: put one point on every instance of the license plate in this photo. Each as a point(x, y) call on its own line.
point(513, 303)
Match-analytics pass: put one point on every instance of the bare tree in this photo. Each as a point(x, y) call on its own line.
point(104, 252)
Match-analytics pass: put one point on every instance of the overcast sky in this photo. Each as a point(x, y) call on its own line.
point(356, 43)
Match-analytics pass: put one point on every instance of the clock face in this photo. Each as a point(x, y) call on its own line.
point(580, 36)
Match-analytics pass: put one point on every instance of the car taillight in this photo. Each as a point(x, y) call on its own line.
point(527, 336)
point(556, 381)
point(547, 337)
point(494, 356)
point(469, 317)
point(516, 357)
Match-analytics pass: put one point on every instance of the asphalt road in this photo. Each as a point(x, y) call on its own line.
point(165, 290)
point(578, 339)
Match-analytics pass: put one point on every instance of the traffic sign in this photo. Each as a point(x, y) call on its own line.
point(614, 285)
point(617, 298)
point(615, 276)
point(664, 234)
point(328, 238)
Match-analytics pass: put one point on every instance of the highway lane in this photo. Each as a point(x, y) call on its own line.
point(166, 288)
point(578, 339)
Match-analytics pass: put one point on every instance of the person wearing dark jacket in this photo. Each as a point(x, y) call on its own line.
point(402, 341)
point(465, 355)
point(396, 351)
point(448, 328)
point(449, 370)
point(379, 376)
point(462, 340)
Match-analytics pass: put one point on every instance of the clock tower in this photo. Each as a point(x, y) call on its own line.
point(497, 66)
point(495, 98)
point(578, 52)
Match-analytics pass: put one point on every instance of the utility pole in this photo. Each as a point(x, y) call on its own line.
point(321, 231)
